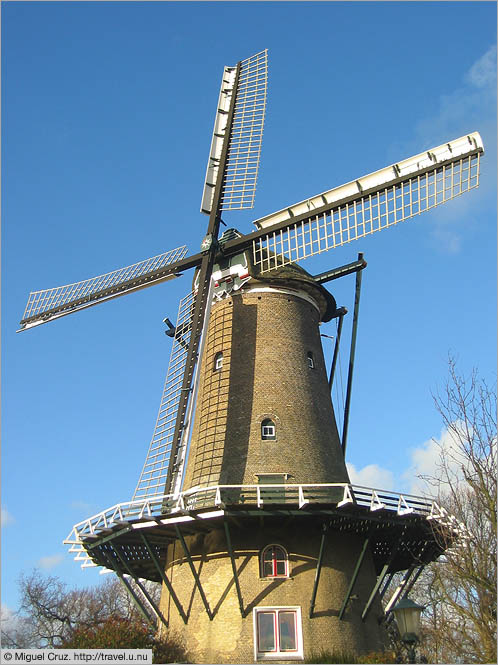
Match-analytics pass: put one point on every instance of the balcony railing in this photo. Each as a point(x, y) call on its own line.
point(172, 509)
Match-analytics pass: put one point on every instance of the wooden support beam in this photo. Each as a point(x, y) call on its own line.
point(381, 577)
point(152, 603)
point(413, 580)
point(354, 577)
point(194, 572)
point(142, 588)
point(164, 578)
point(318, 570)
point(398, 590)
point(105, 539)
point(379, 581)
point(351, 358)
point(136, 600)
point(406, 584)
point(234, 568)
point(386, 585)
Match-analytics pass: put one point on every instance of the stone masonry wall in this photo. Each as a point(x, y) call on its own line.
point(228, 637)
point(265, 339)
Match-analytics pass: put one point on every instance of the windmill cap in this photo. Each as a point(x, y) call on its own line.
point(294, 276)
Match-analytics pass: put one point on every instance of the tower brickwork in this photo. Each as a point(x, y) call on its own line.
point(229, 637)
point(272, 369)
point(263, 363)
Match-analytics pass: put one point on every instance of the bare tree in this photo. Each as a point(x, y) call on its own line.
point(460, 587)
point(50, 613)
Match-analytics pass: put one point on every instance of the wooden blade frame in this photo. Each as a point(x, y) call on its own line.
point(369, 204)
point(50, 304)
point(246, 133)
point(308, 228)
point(210, 245)
point(153, 477)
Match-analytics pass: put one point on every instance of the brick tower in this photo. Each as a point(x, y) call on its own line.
point(264, 416)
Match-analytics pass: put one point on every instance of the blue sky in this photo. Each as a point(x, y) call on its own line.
point(107, 115)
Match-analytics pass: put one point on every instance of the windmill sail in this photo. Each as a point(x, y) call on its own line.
point(241, 172)
point(369, 204)
point(59, 301)
point(154, 473)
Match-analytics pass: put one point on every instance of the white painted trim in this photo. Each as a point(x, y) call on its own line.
point(288, 292)
point(453, 150)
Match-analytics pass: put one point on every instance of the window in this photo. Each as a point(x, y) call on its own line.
point(218, 361)
point(311, 360)
point(277, 633)
point(274, 562)
point(268, 430)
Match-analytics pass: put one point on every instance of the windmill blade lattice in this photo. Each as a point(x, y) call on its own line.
point(369, 204)
point(154, 473)
point(59, 301)
point(239, 187)
point(246, 134)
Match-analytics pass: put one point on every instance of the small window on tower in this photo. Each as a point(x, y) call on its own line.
point(311, 360)
point(274, 562)
point(218, 361)
point(268, 430)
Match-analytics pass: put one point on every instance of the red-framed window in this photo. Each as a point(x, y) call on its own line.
point(278, 632)
point(274, 562)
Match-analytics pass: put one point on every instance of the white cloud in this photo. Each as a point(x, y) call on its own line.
point(457, 112)
point(371, 475)
point(467, 104)
point(7, 616)
point(6, 518)
point(47, 562)
point(483, 71)
point(16, 629)
point(426, 462)
point(9, 619)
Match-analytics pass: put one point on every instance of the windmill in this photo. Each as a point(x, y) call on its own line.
point(243, 509)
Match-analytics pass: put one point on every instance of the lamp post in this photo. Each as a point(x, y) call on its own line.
point(407, 614)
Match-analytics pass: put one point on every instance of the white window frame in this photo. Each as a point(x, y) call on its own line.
point(268, 432)
point(296, 654)
point(271, 433)
point(311, 360)
point(218, 361)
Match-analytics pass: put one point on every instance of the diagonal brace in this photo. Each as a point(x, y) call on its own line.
point(398, 590)
point(380, 579)
point(354, 577)
point(234, 568)
point(142, 589)
point(351, 358)
point(164, 578)
point(318, 570)
point(406, 590)
point(194, 572)
point(406, 584)
point(386, 585)
point(138, 603)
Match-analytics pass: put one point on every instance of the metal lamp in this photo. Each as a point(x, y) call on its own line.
point(407, 614)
